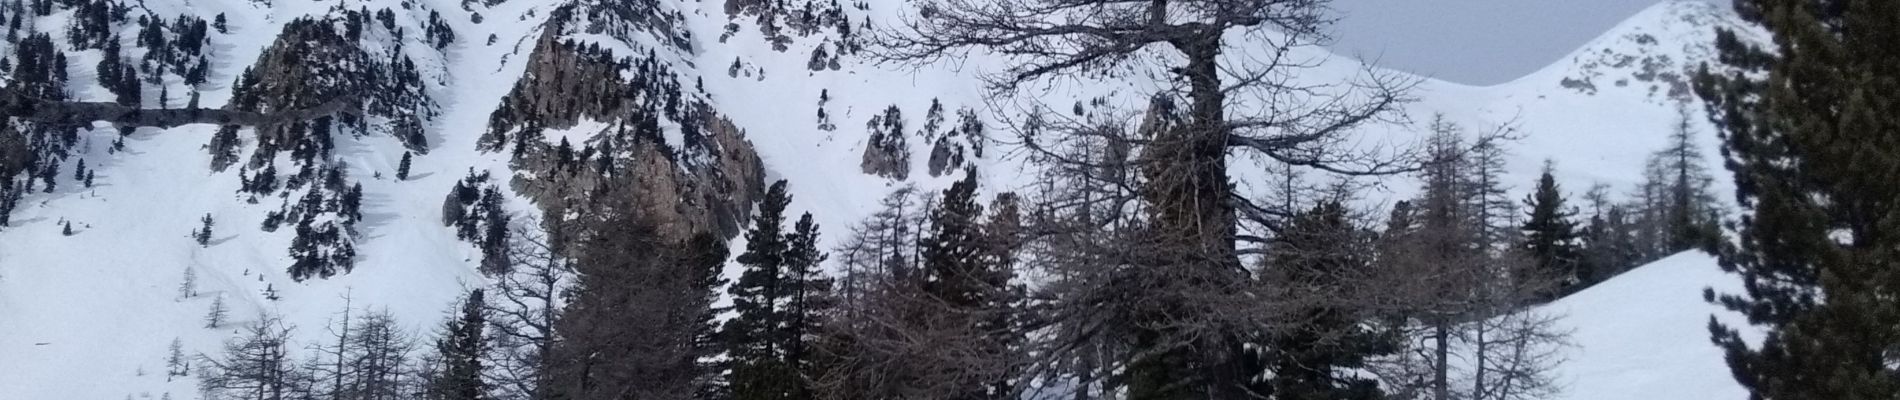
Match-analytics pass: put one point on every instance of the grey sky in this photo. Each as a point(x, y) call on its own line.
point(1479, 42)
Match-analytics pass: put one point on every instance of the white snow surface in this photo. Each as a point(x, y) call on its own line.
point(1644, 334)
point(90, 316)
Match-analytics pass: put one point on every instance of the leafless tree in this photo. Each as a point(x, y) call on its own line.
point(256, 366)
point(1171, 287)
point(1463, 292)
point(528, 305)
point(892, 336)
point(385, 370)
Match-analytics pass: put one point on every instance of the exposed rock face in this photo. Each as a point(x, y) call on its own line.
point(683, 199)
point(705, 183)
point(562, 84)
point(317, 63)
point(1646, 57)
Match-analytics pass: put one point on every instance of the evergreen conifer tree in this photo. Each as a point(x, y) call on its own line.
point(1312, 361)
point(967, 290)
point(402, 168)
point(459, 353)
point(203, 236)
point(1806, 125)
point(1550, 236)
point(755, 337)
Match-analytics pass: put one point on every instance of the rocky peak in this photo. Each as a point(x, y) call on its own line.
point(1655, 51)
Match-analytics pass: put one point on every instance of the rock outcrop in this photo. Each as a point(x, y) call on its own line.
point(705, 182)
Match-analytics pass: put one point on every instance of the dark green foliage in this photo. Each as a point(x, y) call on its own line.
point(50, 176)
point(1313, 361)
point(494, 231)
point(459, 354)
point(1550, 236)
point(351, 205)
point(706, 261)
point(324, 245)
point(776, 301)
point(203, 235)
point(963, 277)
point(9, 198)
point(1807, 129)
point(402, 168)
point(636, 316)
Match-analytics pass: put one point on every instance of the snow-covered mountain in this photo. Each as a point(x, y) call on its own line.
point(89, 315)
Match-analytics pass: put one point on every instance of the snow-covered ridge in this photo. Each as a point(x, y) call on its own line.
point(1654, 51)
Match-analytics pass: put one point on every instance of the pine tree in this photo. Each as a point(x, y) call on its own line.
point(49, 176)
point(968, 289)
point(218, 22)
point(809, 298)
point(460, 353)
point(755, 338)
point(1806, 124)
point(1550, 237)
point(214, 319)
point(79, 172)
point(88, 180)
point(66, 228)
point(351, 205)
point(402, 168)
point(1316, 252)
point(203, 235)
point(705, 258)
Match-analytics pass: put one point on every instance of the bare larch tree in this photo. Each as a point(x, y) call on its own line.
point(1174, 289)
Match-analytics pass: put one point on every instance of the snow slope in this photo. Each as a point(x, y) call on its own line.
point(1644, 334)
point(102, 304)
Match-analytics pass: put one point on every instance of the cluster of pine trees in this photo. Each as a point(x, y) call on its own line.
point(474, 209)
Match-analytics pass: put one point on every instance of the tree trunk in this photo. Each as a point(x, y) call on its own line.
point(1441, 339)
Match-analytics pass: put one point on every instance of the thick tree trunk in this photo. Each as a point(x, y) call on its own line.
point(1188, 197)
